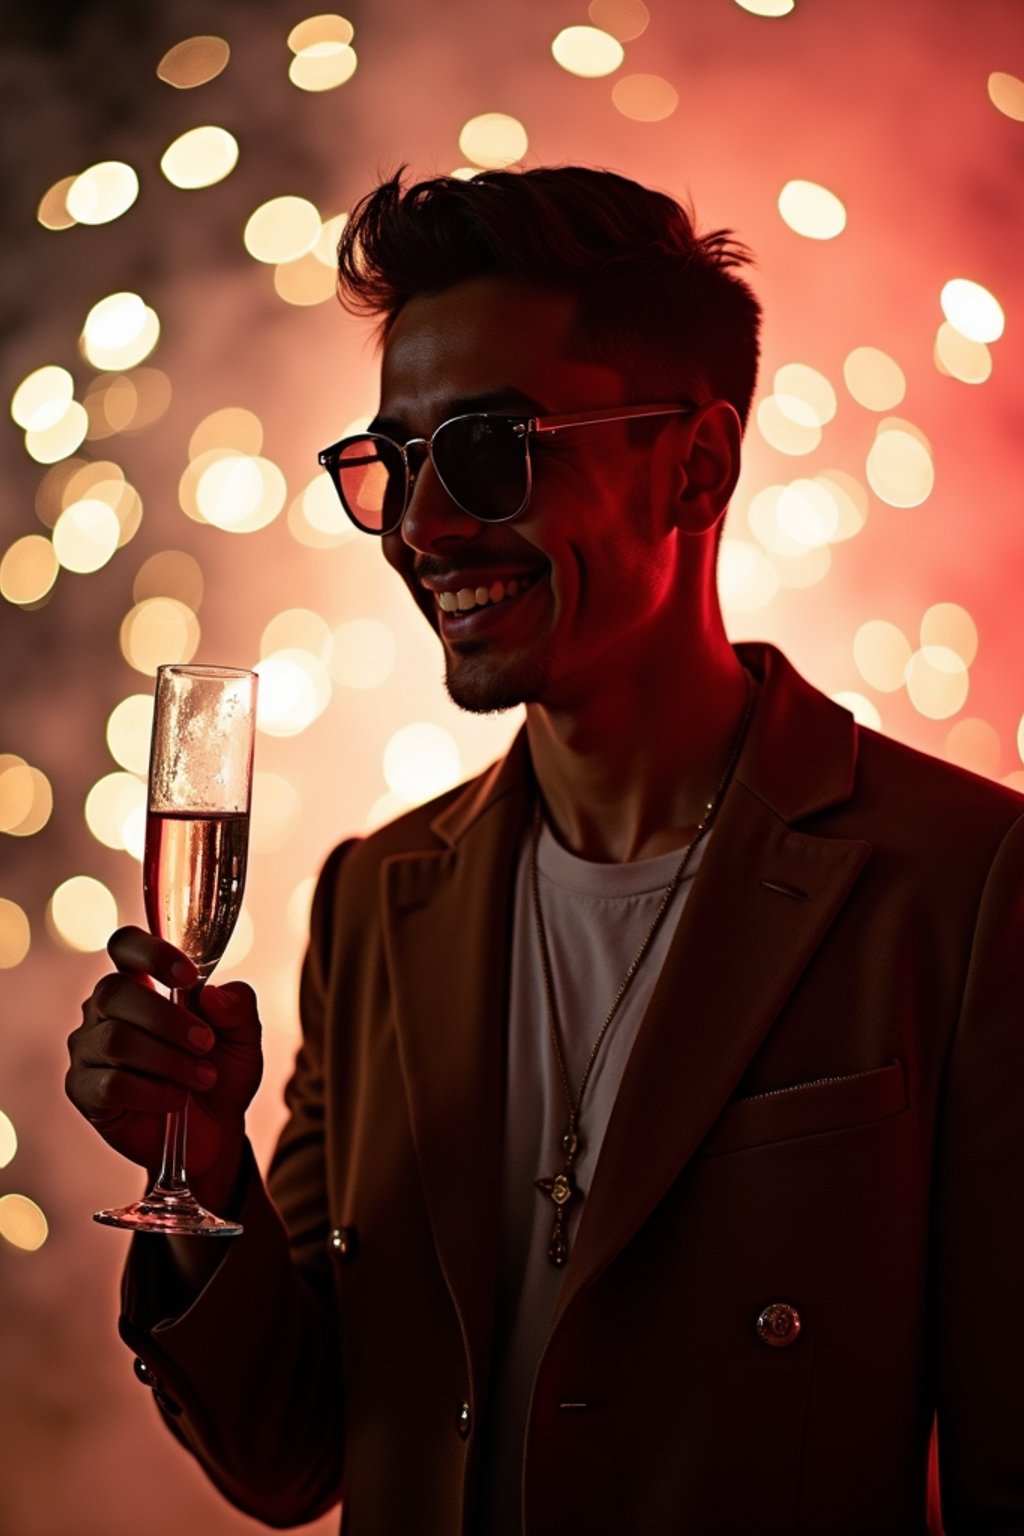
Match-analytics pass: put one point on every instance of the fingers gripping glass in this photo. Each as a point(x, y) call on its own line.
point(482, 460)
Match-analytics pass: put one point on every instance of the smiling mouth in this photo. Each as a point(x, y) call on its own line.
point(466, 599)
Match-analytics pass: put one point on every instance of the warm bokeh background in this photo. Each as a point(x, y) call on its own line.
point(165, 503)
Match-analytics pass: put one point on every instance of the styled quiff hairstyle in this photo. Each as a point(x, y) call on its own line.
point(658, 302)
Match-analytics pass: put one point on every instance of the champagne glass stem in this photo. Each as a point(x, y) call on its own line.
point(171, 1179)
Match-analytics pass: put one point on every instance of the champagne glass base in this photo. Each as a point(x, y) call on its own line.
point(174, 1214)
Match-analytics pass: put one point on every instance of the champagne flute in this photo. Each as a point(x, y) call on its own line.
point(197, 838)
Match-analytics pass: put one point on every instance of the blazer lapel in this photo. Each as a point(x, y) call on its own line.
point(764, 898)
point(447, 920)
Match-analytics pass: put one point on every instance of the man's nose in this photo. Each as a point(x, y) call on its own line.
point(432, 518)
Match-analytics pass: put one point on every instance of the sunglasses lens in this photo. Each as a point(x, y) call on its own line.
point(482, 463)
point(370, 475)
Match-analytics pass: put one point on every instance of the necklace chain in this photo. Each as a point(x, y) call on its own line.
point(561, 1188)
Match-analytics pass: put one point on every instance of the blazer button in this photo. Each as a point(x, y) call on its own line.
point(143, 1372)
point(778, 1325)
point(343, 1243)
point(464, 1422)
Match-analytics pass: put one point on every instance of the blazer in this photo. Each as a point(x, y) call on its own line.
point(804, 1238)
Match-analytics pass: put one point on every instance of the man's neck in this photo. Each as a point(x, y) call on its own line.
point(631, 776)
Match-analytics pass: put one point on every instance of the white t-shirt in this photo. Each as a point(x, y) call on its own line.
point(595, 917)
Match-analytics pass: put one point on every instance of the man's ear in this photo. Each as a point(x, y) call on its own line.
point(708, 466)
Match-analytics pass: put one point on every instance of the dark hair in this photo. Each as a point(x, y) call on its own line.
point(658, 302)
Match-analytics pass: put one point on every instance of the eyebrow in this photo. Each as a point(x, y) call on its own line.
point(507, 399)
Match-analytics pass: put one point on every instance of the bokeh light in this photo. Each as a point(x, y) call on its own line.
point(126, 402)
point(119, 332)
point(323, 66)
point(82, 913)
point(863, 710)
point(240, 493)
point(102, 193)
point(624, 19)
point(22, 1223)
point(298, 629)
point(1007, 93)
point(747, 580)
point(937, 682)
point(810, 389)
point(645, 98)
point(200, 157)
point(317, 519)
point(28, 569)
point(972, 310)
point(194, 61)
point(882, 653)
point(790, 425)
point(899, 468)
point(282, 229)
point(158, 630)
point(60, 439)
point(26, 797)
point(950, 625)
point(15, 934)
point(129, 729)
point(767, 7)
point(295, 689)
point(229, 427)
point(493, 140)
point(421, 760)
point(812, 210)
point(808, 513)
point(8, 1139)
point(963, 359)
point(587, 51)
point(974, 744)
point(304, 282)
point(52, 211)
point(874, 379)
point(170, 573)
point(326, 28)
point(113, 808)
point(86, 535)
point(42, 397)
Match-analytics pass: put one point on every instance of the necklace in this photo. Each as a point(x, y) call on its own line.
point(561, 1187)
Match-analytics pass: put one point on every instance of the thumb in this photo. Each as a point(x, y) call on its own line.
point(231, 1009)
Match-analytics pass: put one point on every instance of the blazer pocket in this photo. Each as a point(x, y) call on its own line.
point(808, 1109)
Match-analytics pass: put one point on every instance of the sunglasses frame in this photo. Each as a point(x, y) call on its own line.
point(524, 427)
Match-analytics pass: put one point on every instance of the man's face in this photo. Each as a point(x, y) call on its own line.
point(576, 585)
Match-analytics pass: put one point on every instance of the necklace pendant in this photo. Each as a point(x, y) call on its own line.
point(561, 1189)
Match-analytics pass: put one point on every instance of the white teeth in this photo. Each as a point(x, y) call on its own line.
point(477, 597)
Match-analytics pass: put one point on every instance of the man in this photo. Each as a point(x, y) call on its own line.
point(655, 1150)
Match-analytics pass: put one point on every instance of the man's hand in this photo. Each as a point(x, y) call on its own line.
point(136, 1056)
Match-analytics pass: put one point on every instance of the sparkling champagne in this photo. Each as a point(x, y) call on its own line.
point(193, 876)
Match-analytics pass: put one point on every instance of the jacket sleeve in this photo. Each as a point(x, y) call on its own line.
point(245, 1376)
point(981, 1224)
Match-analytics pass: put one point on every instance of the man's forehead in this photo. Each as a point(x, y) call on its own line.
point(491, 340)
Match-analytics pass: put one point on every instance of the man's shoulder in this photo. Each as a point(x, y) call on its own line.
point(918, 779)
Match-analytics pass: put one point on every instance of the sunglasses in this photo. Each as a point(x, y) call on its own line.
point(482, 460)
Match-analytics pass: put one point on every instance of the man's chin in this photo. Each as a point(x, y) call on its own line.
point(481, 689)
